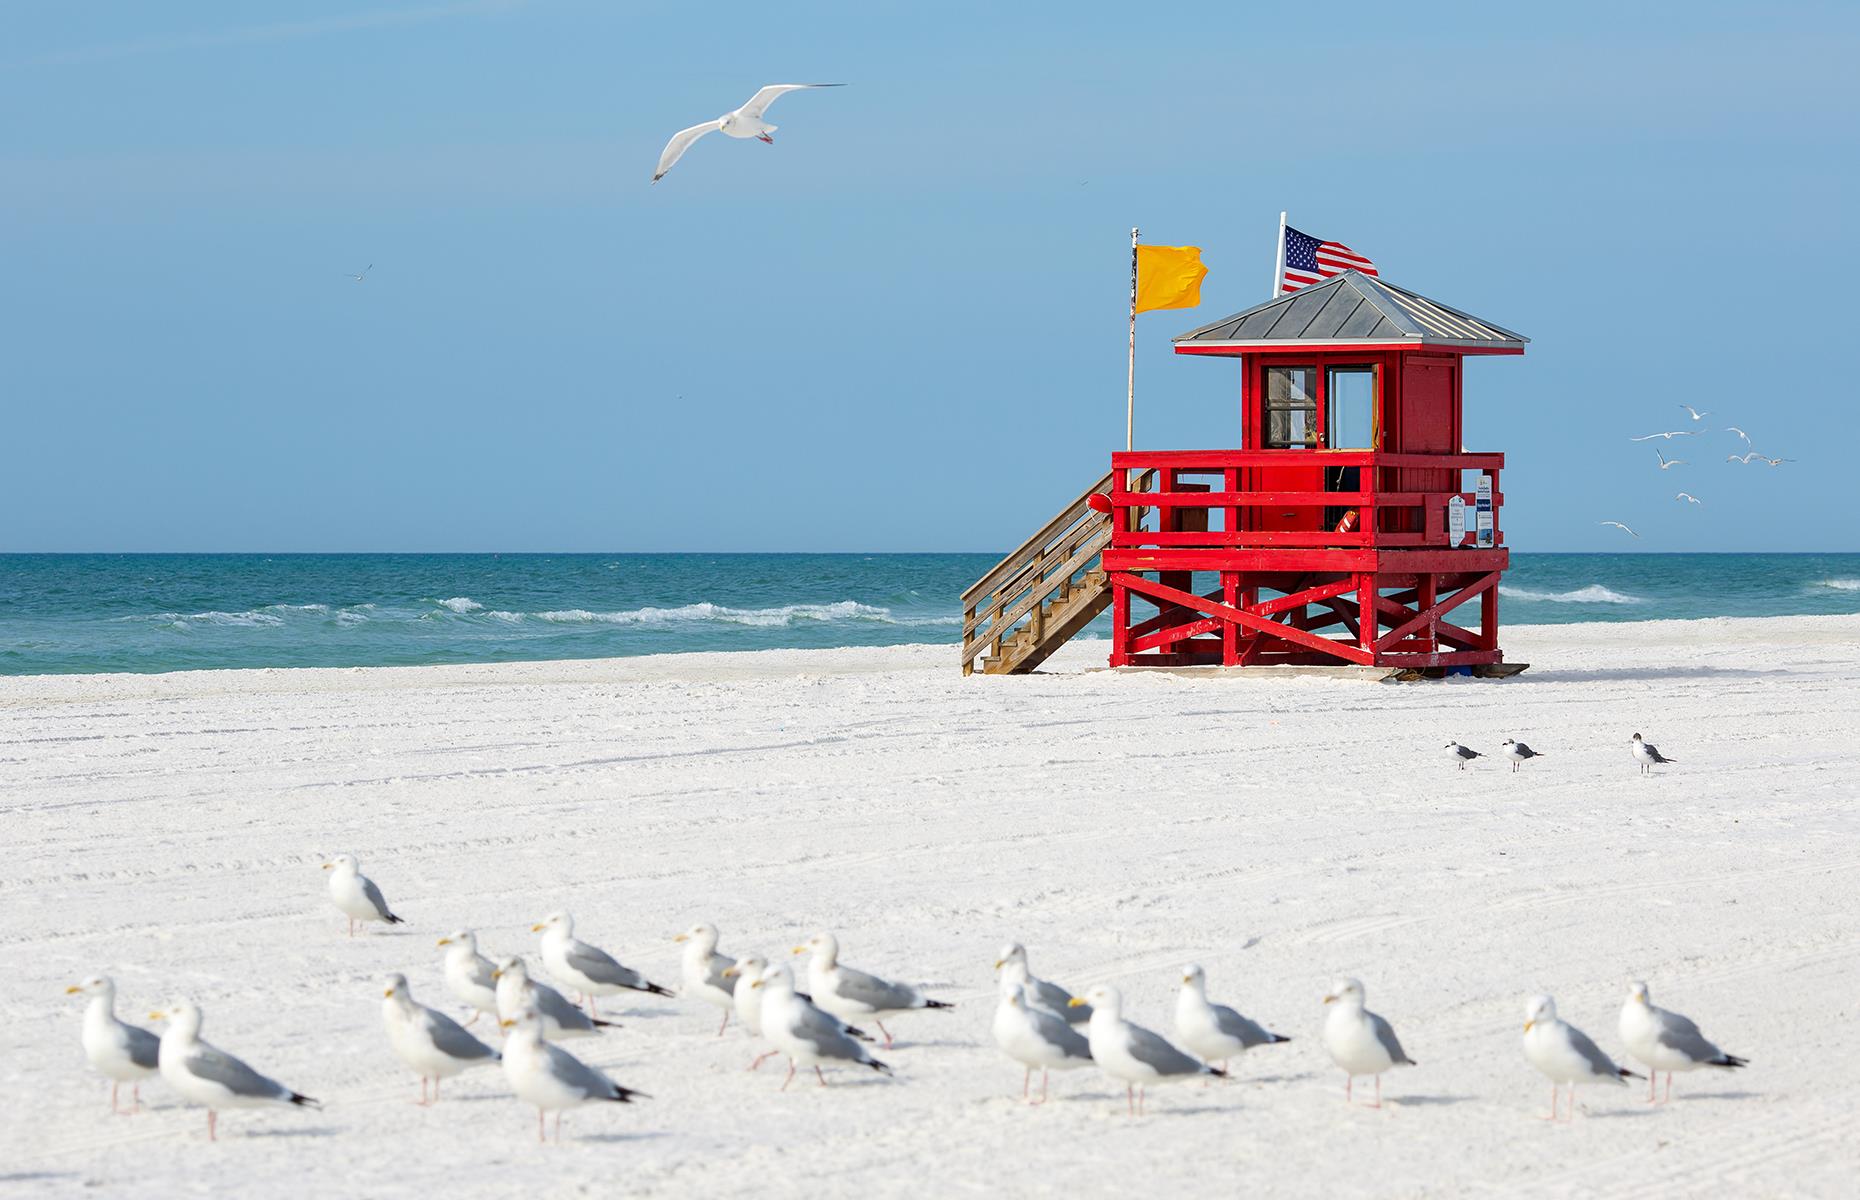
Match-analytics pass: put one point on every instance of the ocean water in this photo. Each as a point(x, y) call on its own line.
point(127, 612)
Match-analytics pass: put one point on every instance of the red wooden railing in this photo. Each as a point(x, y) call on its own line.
point(1210, 482)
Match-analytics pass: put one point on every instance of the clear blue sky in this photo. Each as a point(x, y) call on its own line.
point(902, 326)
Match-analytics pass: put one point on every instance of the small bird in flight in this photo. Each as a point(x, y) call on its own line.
point(1742, 458)
point(1738, 432)
point(363, 276)
point(1775, 462)
point(1618, 525)
point(745, 122)
point(1666, 462)
point(1696, 414)
point(1689, 498)
point(1672, 434)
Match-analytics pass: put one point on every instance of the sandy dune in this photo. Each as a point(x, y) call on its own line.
point(168, 829)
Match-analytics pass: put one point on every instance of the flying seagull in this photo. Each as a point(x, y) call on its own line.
point(1742, 458)
point(1666, 462)
point(1689, 498)
point(1775, 462)
point(1672, 434)
point(745, 122)
point(1695, 413)
point(363, 276)
point(1738, 432)
point(1618, 525)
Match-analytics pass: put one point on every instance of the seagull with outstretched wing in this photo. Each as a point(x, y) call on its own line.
point(1689, 498)
point(745, 122)
point(1738, 432)
point(1666, 462)
point(1672, 434)
point(362, 278)
point(1619, 525)
point(1695, 413)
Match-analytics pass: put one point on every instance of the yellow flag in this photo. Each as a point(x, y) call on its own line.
point(1169, 277)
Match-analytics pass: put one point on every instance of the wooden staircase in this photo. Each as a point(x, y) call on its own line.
point(1034, 600)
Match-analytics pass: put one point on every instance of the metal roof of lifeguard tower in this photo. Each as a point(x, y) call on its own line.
point(1356, 310)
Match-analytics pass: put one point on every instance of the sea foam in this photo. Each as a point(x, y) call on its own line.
point(705, 612)
point(1839, 585)
point(1595, 593)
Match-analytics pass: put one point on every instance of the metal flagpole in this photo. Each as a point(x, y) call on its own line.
point(1278, 262)
point(1130, 393)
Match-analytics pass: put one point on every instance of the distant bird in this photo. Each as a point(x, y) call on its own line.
point(1012, 966)
point(800, 1030)
point(1214, 1031)
point(516, 991)
point(1518, 753)
point(1034, 1037)
point(1666, 462)
point(745, 122)
point(1694, 413)
point(1775, 462)
point(1565, 1054)
point(1461, 754)
point(1619, 525)
point(703, 970)
point(850, 994)
point(1132, 1053)
point(120, 1052)
point(433, 1044)
point(209, 1076)
point(1688, 497)
point(1648, 755)
point(1359, 1041)
point(363, 276)
point(356, 894)
point(1742, 458)
point(1666, 1041)
point(589, 969)
point(550, 1077)
point(470, 976)
point(1669, 434)
point(1738, 432)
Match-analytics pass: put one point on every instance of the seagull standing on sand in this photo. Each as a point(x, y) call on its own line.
point(207, 1075)
point(1666, 462)
point(1565, 1054)
point(1035, 1037)
point(1012, 967)
point(850, 994)
point(1214, 1031)
point(589, 969)
point(803, 1032)
point(1518, 753)
point(1666, 1041)
point(550, 1077)
point(1619, 525)
point(1132, 1053)
point(121, 1052)
point(745, 122)
point(1647, 755)
point(516, 991)
point(1359, 1041)
point(703, 970)
point(433, 1044)
point(470, 976)
point(356, 894)
point(746, 999)
point(1461, 754)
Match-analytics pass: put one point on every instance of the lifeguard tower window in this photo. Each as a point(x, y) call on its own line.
point(1350, 408)
point(1291, 408)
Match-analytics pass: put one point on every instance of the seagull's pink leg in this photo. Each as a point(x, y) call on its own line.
point(435, 1089)
point(1552, 1115)
point(1139, 1099)
point(1653, 1081)
point(883, 1030)
point(213, 1122)
point(761, 1057)
point(1347, 1081)
point(790, 1079)
point(1668, 1098)
point(1130, 1099)
point(540, 1135)
point(1045, 1077)
point(1378, 1103)
point(1026, 1081)
point(558, 1127)
point(135, 1097)
point(819, 1076)
point(113, 1086)
point(726, 1023)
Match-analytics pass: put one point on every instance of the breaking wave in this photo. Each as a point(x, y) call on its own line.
point(1839, 585)
point(1595, 593)
point(786, 614)
point(460, 604)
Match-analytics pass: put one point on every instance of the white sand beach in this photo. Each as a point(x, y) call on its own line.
point(169, 830)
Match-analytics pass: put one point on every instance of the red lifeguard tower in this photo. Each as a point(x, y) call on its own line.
point(1332, 537)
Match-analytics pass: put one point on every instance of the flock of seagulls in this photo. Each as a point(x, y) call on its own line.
point(1646, 755)
point(1666, 464)
point(1038, 1024)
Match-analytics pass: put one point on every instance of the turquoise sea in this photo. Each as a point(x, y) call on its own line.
point(168, 612)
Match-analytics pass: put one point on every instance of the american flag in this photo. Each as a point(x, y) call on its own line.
point(1308, 259)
